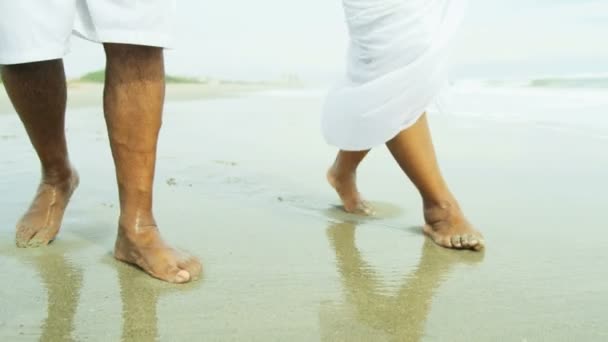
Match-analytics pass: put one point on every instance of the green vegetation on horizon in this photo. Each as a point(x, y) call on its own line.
point(99, 77)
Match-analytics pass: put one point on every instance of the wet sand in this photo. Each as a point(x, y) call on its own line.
point(240, 183)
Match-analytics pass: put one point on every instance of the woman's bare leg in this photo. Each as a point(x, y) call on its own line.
point(342, 176)
point(445, 223)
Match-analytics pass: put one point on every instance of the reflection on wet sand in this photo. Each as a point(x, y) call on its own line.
point(396, 316)
point(63, 282)
point(140, 295)
point(139, 299)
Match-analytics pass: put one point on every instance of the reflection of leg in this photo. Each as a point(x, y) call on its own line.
point(354, 271)
point(359, 279)
point(38, 92)
point(446, 224)
point(133, 101)
point(63, 283)
point(139, 303)
point(402, 316)
point(413, 302)
point(342, 176)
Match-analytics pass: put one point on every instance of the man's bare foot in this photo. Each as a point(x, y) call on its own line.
point(141, 245)
point(447, 226)
point(346, 187)
point(42, 221)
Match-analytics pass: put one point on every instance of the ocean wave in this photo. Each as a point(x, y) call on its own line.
point(582, 82)
point(590, 81)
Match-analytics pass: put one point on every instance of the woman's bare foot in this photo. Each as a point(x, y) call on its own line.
point(346, 187)
point(141, 245)
point(447, 226)
point(42, 221)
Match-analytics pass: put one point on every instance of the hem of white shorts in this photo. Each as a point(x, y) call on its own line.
point(143, 38)
point(31, 57)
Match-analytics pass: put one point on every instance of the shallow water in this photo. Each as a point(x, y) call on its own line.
point(241, 184)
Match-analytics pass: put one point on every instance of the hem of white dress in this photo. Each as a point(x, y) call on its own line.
point(390, 137)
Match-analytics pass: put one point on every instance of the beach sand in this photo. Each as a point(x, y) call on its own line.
point(87, 94)
point(241, 183)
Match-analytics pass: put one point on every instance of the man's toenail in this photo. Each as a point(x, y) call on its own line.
point(183, 276)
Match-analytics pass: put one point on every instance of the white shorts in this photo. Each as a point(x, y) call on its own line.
point(39, 30)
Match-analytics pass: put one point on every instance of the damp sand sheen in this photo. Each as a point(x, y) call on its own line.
point(282, 262)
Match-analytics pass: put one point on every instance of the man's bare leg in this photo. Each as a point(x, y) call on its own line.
point(133, 102)
point(38, 93)
point(445, 223)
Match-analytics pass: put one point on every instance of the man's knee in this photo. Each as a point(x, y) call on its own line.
point(44, 70)
point(30, 66)
point(134, 62)
point(128, 52)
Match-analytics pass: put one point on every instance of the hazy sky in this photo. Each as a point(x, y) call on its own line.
point(249, 39)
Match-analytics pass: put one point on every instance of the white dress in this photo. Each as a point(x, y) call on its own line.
point(395, 69)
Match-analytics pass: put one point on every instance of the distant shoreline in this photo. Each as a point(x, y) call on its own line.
point(98, 76)
point(87, 90)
